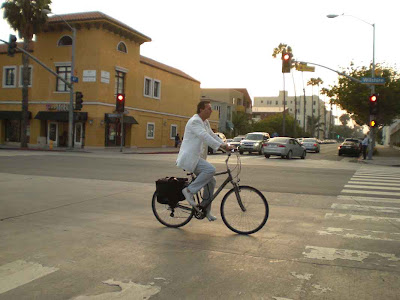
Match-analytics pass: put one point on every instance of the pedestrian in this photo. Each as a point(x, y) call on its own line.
point(177, 140)
point(365, 144)
point(193, 154)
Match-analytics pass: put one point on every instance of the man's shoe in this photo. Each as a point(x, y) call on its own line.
point(189, 197)
point(209, 216)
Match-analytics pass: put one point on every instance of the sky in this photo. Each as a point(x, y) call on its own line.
point(229, 43)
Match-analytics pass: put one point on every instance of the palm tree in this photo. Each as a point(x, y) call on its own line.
point(26, 17)
point(312, 82)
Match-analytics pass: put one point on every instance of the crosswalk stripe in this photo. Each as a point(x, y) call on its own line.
point(380, 193)
point(20, 272)
point(372, 183)
point(368, 199)
point(380, 209)
point(361, 234)
point(368, 187)
point(323, 253)
point(374, 180)
point(377, 176)
point(350, 217)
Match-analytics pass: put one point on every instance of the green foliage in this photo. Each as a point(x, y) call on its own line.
point(354, 97)
point(241, 122)
point(273, 124)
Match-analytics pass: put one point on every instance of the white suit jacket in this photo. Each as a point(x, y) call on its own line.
point(198, 135)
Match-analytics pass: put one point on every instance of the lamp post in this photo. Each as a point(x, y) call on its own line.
point(371, 130)
point(71, 88)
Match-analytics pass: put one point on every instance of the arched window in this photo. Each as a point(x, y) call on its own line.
point(122, 47)
point(65, 41)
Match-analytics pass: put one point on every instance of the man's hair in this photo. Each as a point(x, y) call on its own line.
point(202, 105)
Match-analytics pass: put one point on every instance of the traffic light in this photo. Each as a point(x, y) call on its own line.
point(120, 103)
point(372, 123)
point(12, 45)
point(78, 100)
point(373, 104)
point(286, 62)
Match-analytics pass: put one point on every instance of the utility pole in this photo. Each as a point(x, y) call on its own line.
point(304, 113)
point(284, 106)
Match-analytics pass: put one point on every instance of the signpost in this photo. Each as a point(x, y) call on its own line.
point(305, 68)
point(373, 80)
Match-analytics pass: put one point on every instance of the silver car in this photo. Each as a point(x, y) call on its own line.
point(285, 147)
point(311, 144)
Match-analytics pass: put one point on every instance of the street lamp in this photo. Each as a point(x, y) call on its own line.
point(71, 89)
point(372, 134)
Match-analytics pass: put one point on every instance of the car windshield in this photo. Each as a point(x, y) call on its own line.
point(278, 140)
point(310, 140)
point(237, 139)
point(254, 137)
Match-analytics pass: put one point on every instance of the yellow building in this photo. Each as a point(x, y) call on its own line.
point(159, 99)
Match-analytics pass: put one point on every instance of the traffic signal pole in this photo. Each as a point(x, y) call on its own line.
point(372, 129)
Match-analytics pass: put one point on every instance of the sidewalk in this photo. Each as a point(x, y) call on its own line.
point(386, 156)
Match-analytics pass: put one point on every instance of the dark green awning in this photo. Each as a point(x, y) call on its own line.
point(13, 115)
point(112, 118)
point(60, 116)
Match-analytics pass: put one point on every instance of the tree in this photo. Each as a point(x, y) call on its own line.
point(313, 82)
point(26, 17)
point(273, 124)
point(241, 124)
point(344, 119)
point(354, 97)
point(329, 93)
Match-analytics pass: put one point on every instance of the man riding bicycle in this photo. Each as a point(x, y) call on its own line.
point(193, 154)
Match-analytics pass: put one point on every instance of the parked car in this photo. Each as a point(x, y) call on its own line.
point(222, 137)
point(236, 141)
point(355, 140)
point(285, 147)
point(253, 142)
point(311, 144)
point(349, 148)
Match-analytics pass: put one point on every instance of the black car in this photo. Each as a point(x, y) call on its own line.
point(349, 148)
point(355, 140)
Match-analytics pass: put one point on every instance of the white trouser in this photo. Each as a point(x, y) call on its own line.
point(205, 178)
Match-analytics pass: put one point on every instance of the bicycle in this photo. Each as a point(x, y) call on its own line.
point(244, 209)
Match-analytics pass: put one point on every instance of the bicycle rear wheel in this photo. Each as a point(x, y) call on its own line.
point(248, 218)
point(171, 217)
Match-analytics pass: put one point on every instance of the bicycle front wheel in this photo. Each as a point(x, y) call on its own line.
point(171, 217)
point(246, 215)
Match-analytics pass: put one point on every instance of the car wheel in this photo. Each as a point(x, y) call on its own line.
point(282, 156)
point(289, 155)
point(304, 155)
point(267, 155)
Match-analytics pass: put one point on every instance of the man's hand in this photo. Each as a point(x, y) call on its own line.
point(226, 147)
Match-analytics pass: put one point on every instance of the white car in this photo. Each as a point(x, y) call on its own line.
point(285, 147)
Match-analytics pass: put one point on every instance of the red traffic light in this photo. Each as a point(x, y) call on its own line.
point(373, 98)
point(120, 97)
point(286, 56)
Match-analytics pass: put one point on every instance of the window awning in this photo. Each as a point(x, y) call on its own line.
point(230, 125)
point(112, 118)
point(60, 116)
point(13, 115)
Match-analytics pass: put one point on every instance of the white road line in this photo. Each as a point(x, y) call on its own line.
point(323, 253)
point(376, 180)
point(379, 209)
point(372, 182)
point(349, 217)
point(378, 176)
point(367, 187)
point(369, 199)
point(361, 234)
point(380, 193)
point(19, 272)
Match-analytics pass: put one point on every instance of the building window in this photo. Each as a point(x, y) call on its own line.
point(262, 101)
point(156, 89)
point(20, 76)
point(65, 73)
point(314, 102)
point(174, 131)
point(218, 108)
point(276, 102)
point(150, 131)
point(147, 87)
point(122, 47)
point(119, 82)
point(9, 76)
point(65, 41)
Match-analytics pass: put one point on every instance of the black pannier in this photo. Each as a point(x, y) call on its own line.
point(169, 190)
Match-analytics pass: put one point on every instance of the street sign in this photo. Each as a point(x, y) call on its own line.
point(373, 80)
point(74, 79)
point(305, 68)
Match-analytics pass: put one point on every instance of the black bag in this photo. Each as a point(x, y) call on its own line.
point(169, 190)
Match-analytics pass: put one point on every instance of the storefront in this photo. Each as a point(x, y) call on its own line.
point(54, 127)
point(113, 129)
point(11, 126)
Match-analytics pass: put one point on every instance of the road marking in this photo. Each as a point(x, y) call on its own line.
point(368, 199)
point(368, 187)
point(375, 180)
point(373, 183)
point(349, 217)
point(380, 209)
point(361, 234)
point(19, 272)
point(129, 290)
point(380, 193)
point(323, 253)
point(377, 176)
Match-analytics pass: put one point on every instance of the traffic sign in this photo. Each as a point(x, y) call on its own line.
point(305, 68)
point(74, 79)
point(373, 80)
